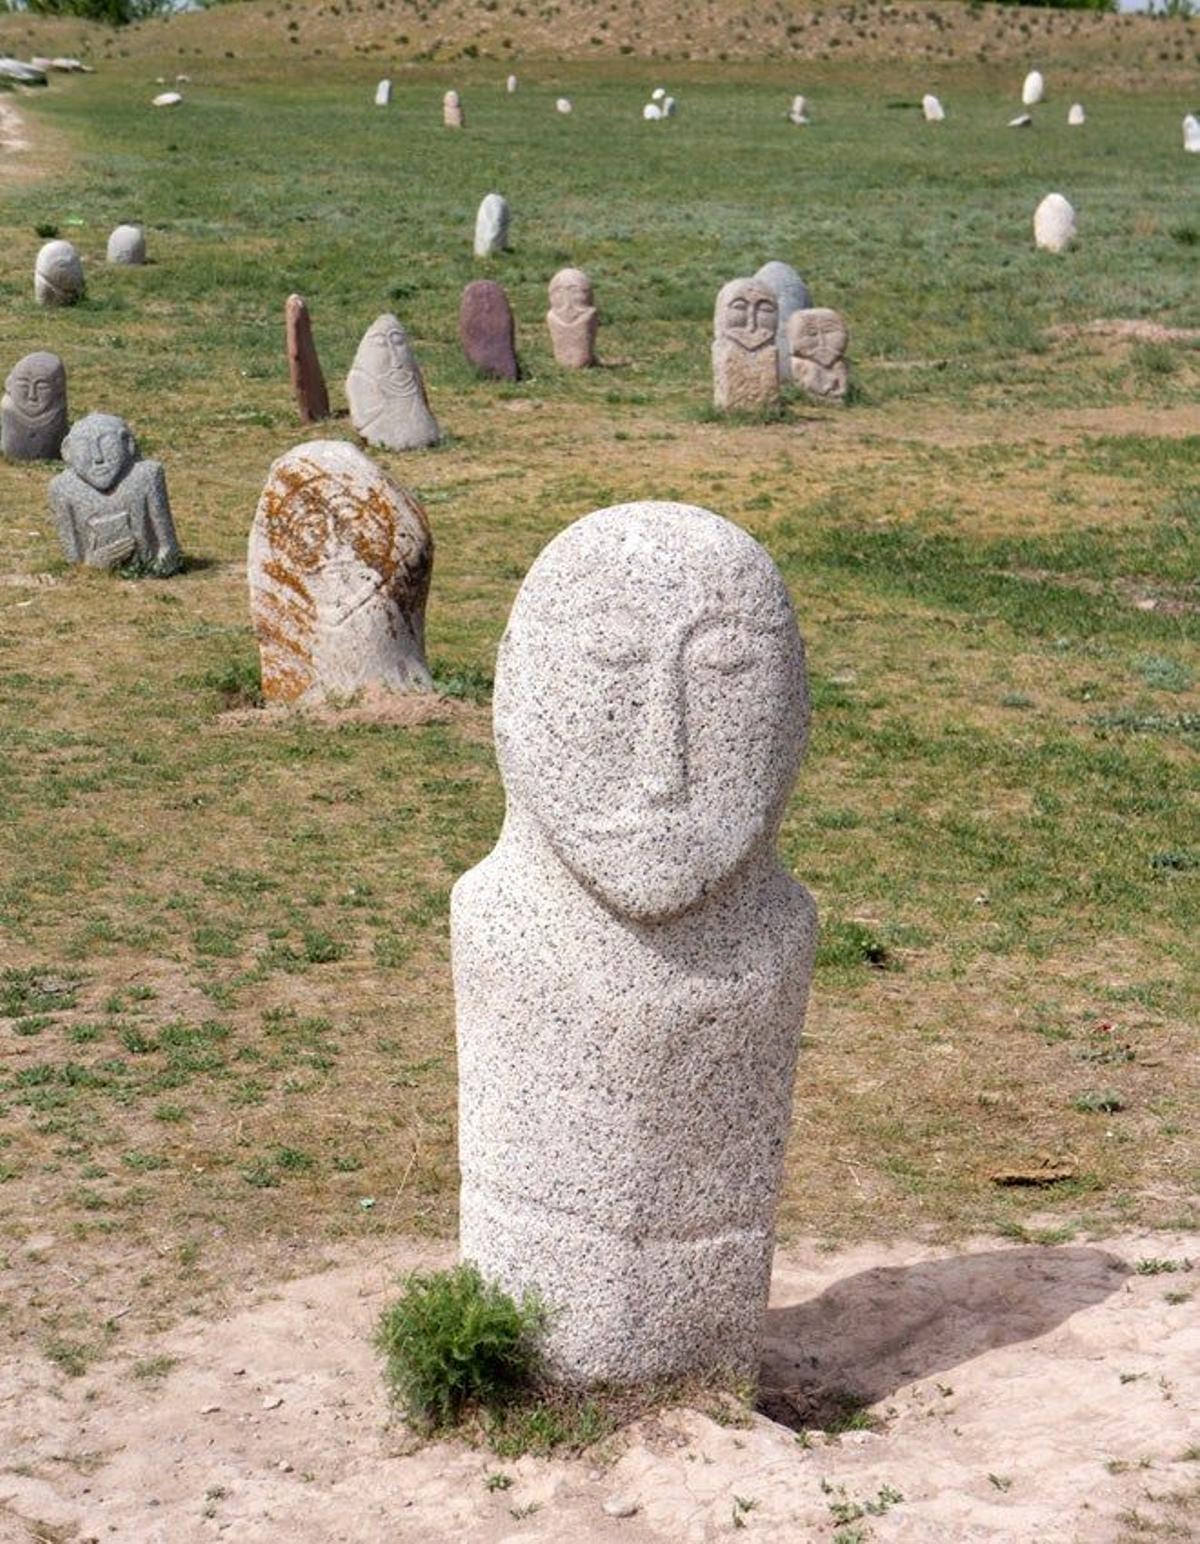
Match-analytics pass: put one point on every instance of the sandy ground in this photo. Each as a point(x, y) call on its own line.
point(1024, 1393)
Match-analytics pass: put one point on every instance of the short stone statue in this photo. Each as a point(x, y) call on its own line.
point(1034, 89)
point(817, 343)
point(33, 409)
point(572, 319)
point(933, 109)
point(491, 225)
point(1076, 117)
point(304, 366)
point(798, 112)
point(383, 93)
point(487, 330)
point(339, 565)
point(652, 112)
point(791, 294)
point(1191, 133)
point(110, 506)
point(510, 85)
point(453, 116)
point(1054, 223)
point(564, 105)
point(386, 393)
point(631, 962)
point(745, 354)
point(127, 245)
point(58, 275)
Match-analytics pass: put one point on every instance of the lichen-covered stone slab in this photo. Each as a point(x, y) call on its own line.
point(631, 962)
point(339, 567)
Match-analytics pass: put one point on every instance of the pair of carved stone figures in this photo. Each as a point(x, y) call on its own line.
point(757, 343)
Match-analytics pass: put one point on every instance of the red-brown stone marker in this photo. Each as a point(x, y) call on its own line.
point(308, 382)
point(487, 330)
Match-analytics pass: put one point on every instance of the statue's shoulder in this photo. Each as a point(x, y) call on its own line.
point(143, 477)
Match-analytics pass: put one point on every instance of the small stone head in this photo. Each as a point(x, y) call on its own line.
point(385, 355)
point(817, 334)
point(651, 704)
point(571, 294)
point(100, 448)
point(37, 387)
point(747, 314)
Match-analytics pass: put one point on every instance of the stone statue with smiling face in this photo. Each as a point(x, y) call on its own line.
point(33, 409)
point(631, 962)
point(111, 507)
point(386, 393)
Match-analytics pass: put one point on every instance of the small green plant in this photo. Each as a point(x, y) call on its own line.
point(498, 1480)
point(454, 1342)
point(1155, 1265)
point(1106, 1103)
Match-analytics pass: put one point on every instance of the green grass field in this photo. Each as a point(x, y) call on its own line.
point(225, 1013)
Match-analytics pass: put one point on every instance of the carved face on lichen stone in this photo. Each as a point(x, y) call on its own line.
point(818, 334)
point(651, 705)
point(747, 314)
point(37, 387)
point(100, 449)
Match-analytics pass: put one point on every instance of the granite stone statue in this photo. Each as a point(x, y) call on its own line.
point(933, 109)
point(1054, 223)
point(1076, 117)
point(33, 409)
point(110, 506)
point(304, 366)
point(487, 330)
point(572, 319)
point(1034, 89)
point(817, 343)
point(798, 112)
point(386, 393)
point(631, 962)
point(383, 93)
point(1191, 133)
point(745, 353)
point(58, 275)
point(491, 225)
point(127, 245)
point(453, 116)
point(791, 294)
point(339, 566)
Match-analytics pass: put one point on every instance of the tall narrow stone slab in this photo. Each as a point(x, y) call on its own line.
point(33, 409)
point(631, 962)
point(386, 392)
point(791, 294)
point(339, 566)
point(745, 353)
point(304, 367)
point(487, 331)
point(491, 225)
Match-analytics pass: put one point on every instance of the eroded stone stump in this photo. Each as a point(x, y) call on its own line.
point(339, 566)
point(631, 962)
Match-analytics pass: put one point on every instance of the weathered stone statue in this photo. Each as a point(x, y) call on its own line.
point(631, 962)
point(798, 112)
point(111, 507)
point(791, 294)
point(572, 319)
point(383, 93)
point(386, 393)
point(58, 275)
point(1033, 90)
point(488, 331)
point(339, 566)
point(745, 355)
point(491, 225)
point(817, 340)
point(127, 245)
point(933, 109)
point(453, 116)
point(304, 367)
point(1191, 133)
point(1054, 223)
point(33, 409)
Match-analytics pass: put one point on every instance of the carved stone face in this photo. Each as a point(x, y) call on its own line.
point(819, 335)
point(100, 449)
point(747, 314)
point(37, 386)
point(571, 294)
point(385, 356)
point(651, 705)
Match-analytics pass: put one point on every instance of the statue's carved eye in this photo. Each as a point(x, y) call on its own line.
point(723, 647)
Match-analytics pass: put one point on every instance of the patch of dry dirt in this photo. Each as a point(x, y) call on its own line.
point(1022, 1394)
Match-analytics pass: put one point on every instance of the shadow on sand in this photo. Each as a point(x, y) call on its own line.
point(870, 1334)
